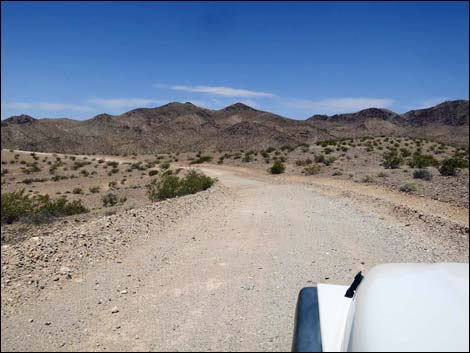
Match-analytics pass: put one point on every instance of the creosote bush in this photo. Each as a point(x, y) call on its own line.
point(451, 166)
point(171, 186)
point(201, 160)
point(408, 187)
point(312, 169)
point(36, 209)
point(392, 160)
point(109, 199)
point(422, 174)
point(94, 189)
point(277, 167)
point(368, 179)
point(77, 191)
point(422, 161)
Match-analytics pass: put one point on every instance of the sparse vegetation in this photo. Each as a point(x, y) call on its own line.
point(451, 166)
point(312, 169)
point(172, 186)
point(94, 189)
point(368, 179)
point(77, 191)
point(422, 161)
point(18, 205)
point(392, 160)
point(408, 187)
point(422, 174)
point(110, 199)
point(303, 162)
point(202, 159)
point(277, 167)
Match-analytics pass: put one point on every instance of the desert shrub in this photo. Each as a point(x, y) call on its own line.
point(461, 154)
point(203, 159)
point(59, 177)
point(36, 209)
point(422, 174)
point(328, 150)
point(94, 189)
point(32, 168)
point(77, 191)
point(408, 187)
point(405, 152)
point(270, 149)
point(140, 166)
point(109, 199)
point(264, 154)
point(172, 186)
point(34, 180)
point(112, 184)
point(451, 166)
point(312, 169)
point(303, 162)
point(164, 188)
point(237, 155)
point(194, 182)
point(392, 160)
point(4, 171)
point(48, 209)
point(248, 157)
point(84, 173)
point(77, 164)
point(327, 143)
point(113, 164)
point(287, 148)
point(320, 158)
point(368, 179)
point(15, 205)
point(422, 161)
point(382, 175)
point(277, 167)
point(329, 161)
point(153, 172)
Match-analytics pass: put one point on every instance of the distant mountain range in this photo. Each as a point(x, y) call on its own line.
point(179, 127)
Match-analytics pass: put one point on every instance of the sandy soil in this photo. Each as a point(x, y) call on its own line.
point(224, 273)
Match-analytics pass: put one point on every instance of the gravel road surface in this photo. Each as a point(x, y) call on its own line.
point(225, 277)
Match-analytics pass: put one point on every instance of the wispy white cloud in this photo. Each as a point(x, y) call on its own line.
point(47, 106)
point(339, 105)
point(218, 91)
point(118, 103)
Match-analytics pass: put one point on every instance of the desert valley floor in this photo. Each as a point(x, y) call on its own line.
point(220, 269)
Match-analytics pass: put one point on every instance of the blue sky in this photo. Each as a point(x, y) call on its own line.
point(296, 59)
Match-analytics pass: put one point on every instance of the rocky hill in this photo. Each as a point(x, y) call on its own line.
point(447, 122)
point(184, 127)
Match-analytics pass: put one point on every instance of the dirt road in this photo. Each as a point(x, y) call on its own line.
point(224, 277)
